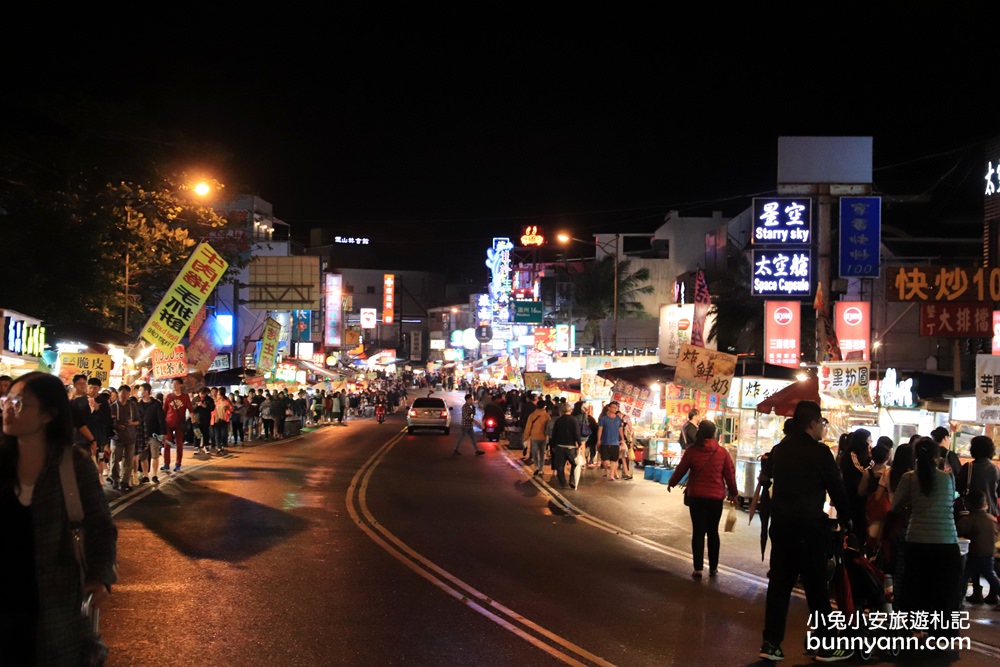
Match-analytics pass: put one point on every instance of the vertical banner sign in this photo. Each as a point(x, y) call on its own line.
point(302, 326)
point(179, 306)
point(860, 236)
point(676, 324)
point(852, 323)
point(987, 389)
point(996, 332)
point(416, 345)
point(388, 298)
point(173, 365)
point(205, 346)
point(269, 344)
point(334, 313)
point(705, 370)
point(782, 332)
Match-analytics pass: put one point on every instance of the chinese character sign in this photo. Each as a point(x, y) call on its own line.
point(987, 389)
point(956, 320)
point(334, 310)
point(784, 272)
point(80, 363)
point(498, 262)
point(860, 236)
point(942, 283)
point(388, 298)
point(676, 324)
point(852, 324)
point(173, 365)
point(631, 399)
point(782, 332)
point(705, 370)
point(782, 221)
point(996, 332)
point(179, 306)
point(845, 382)
point(269, 344)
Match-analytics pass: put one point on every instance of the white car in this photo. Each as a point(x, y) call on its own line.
point(428, 412)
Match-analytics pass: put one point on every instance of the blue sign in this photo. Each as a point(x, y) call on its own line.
point(860, 236)
point(785, 221)
point(782, 272)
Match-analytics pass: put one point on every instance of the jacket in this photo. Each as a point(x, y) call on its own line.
point(61, 627)
point(566, 431)
point(534, 429)
point(803, 472)
point(712, 472)
point(932, 517)
point(985, 477)
point(981, 529)
point(153, 420)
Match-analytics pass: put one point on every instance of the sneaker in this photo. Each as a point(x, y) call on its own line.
point(125, 488)
point(713, 572)
point(113, 483)
point(696, 574)
point(975, 599)
point(177, 467)
point(836, 655)
point(144, 480)
point(156, 480)
point(165, 468)
point(480, 453)
point(769, 651)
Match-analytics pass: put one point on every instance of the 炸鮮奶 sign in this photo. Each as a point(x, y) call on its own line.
point(179, 306)
point(705, 370)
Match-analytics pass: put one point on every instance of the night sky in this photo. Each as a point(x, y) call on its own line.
point(432, 139)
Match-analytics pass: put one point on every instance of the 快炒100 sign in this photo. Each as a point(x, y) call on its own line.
point(943, 283)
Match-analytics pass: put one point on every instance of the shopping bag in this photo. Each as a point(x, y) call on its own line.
point(581, 463)
point(731, 519)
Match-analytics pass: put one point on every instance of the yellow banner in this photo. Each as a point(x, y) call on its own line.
point(81, 363)
point(180, 305)
point(268, 345)
point(705, 370)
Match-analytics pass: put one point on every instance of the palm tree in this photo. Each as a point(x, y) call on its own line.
point(593, 293)
point(739, 317)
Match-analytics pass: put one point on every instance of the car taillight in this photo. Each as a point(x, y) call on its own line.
point(444, 414)
point(489, 422)
point(413, 413)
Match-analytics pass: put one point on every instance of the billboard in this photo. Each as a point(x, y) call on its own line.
point(782, 332)
point(334, 310)
point(285, 283)
point(784, 221)
point(852, 324)
point(782, 272)
point(860, 236)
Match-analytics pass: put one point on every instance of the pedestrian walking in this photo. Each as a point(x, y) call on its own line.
point(980, 528)
point(610, 435)
point(803, 473)
point(566, 442)
point(712, 479)
point(176, 409)
point(534, 431)
point(40, 618)
point(469, 423)
point(151, 432)
point(126, 419)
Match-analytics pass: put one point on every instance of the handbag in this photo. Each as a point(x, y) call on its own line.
point(95, 648)
point(687, 498)
point(731, 519)
point(961, 505)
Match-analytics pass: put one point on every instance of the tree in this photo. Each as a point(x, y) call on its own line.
point(593, 293)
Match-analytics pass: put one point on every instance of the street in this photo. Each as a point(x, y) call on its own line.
point(365, 545)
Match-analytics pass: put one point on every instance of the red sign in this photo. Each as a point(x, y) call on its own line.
point(388, 298)
point(956, 320)
point(852, 323)
point(782, 325)
point(173, 365)
point(530, 237)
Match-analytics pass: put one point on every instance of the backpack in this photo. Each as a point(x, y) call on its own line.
point(682, 438)
point(584, 426)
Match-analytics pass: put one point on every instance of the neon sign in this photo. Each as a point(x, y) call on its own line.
point(531, 237)
point(498, 262)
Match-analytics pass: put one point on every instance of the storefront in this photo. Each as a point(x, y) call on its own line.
point(24, 341)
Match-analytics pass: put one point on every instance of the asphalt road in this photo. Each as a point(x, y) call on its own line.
point(364, 545)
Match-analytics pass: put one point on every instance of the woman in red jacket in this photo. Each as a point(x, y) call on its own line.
point(712, 479)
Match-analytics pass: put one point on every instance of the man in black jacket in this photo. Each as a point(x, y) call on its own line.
point(803, 472)
point(565, 442)
point(152, 423)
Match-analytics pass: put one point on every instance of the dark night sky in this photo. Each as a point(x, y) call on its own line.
point(443, 138)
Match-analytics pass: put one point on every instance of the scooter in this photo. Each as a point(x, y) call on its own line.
point(491, 429)
point(380, 413)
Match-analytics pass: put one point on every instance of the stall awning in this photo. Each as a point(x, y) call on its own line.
point(335, 374)
point(783, 402)
point(644, 375)
point(754, 368)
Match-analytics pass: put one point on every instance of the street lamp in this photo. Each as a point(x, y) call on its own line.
point(566, 238)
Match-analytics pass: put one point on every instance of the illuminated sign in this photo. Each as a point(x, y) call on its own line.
point(956, 320)
point(269, 344)
point(388, 298)
point(565, 337)
point(996, 332)
point(942, 283)
point(860, 236)
point(437, 344)
point(852, 324)
point(368, 318)
point(782, 220)
point(351, 240)
point(528, 312)
point(334, 314)
point(225, 330)
point(782, 332)
point(302, 325)
point(531, 237)
point(782, 272)
point(173, 365)
point(22, 338)
point(498, 262)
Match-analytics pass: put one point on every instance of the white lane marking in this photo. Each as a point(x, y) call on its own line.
point(450, 584)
